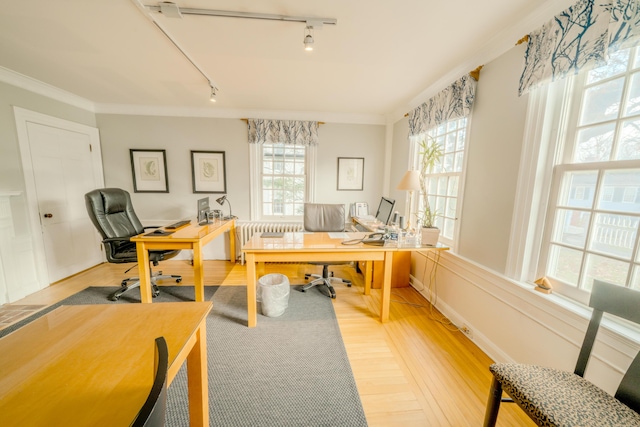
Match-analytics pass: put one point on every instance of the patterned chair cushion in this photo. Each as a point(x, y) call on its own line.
point(557, 398)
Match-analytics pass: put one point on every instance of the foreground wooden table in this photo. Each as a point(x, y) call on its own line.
point(93, 365)
point(192, 236)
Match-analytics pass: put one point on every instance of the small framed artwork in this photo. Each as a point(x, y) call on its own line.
point(350, 173)
point(149, 168)
point(208, 172)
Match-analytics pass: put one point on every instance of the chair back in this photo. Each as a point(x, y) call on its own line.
point(153, 412)
point(111, 211)
point(323, 217)
point(624, 303)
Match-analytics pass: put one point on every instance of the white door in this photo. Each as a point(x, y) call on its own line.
point(61, 162)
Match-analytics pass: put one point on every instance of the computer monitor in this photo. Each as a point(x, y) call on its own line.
point(203, 210)
point(384, 209)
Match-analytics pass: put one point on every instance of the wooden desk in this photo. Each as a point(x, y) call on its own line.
point(401, 264)
point(192, 237)
point(303, 247)
point(94, 364)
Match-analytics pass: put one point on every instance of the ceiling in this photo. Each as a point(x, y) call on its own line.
point(379, 60)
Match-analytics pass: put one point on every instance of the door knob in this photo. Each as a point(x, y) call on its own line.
point(48, 215)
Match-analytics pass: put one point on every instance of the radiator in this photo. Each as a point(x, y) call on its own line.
point(247, 229)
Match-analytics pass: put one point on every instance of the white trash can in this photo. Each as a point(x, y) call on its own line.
point(273, 293)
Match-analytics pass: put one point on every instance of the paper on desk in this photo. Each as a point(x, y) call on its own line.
point(338, 235)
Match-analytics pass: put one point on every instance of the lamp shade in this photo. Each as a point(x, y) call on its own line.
point(410, 181)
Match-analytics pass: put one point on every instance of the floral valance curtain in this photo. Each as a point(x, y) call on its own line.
point(579, 38)
point(282, 131)
point(451, 103)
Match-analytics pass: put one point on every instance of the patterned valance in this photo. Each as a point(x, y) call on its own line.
point(451, 103)
point(282, 131)
point(579, 38)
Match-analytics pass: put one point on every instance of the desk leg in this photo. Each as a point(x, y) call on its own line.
point(252, 307)
point(368, 277)
point(232, 243)
point(198, 380)
point(386, 287)
point(198, 272)
point(144, 272)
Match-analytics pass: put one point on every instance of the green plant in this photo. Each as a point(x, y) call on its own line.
point(430, 154)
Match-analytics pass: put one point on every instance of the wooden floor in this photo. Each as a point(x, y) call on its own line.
point(415, 370)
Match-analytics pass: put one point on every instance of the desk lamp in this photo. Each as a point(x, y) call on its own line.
point(220, 201)
point(410, 182)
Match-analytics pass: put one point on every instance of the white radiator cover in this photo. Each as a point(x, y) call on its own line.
point(246, 229)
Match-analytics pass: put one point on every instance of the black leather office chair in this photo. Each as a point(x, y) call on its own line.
point(328, 218)
point(153, 412)
point(111, 211)
point(552, 397)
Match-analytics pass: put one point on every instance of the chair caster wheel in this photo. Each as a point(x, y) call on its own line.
point(123, 283)
point(178, 280)
point(303, 290)
point(113, 298)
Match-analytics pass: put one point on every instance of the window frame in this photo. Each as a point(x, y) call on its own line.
point(414, 163)
point(255, 183)
point(559, 140)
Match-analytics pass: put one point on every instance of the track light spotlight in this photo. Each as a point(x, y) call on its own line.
point(213, 94)
point(308, 38)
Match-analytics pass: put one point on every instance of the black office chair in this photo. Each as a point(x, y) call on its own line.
point(552, 397)
point(328, 218)
point(111, 211)
point(153, 412)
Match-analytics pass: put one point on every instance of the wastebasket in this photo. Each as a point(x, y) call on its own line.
point(273, 293)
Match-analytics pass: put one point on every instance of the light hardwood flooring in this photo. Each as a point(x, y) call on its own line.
point(415, 370)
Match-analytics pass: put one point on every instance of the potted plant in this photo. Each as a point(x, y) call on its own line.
point(431, 154)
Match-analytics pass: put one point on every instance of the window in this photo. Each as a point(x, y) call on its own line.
point(444, 181)
point(594, 209)
point(281, 183)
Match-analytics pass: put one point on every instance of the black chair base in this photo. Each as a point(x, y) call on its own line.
point(134, 282)
point(325, 279)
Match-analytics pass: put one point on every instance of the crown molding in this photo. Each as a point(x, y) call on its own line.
point(36, 86)
point(221, 113)
point(493, 48)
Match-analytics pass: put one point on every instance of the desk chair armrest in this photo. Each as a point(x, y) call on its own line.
point(116, 239)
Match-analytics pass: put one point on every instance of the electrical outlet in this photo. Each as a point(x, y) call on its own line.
point(466, 330)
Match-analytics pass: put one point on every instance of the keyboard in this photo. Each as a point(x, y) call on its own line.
point(178, 224)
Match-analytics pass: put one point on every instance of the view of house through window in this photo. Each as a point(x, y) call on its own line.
point(443, 181)
point(594, 212)
point(283, 180)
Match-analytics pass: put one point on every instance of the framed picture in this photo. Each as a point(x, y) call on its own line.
point(208, 172)
point(350, 173)
point(149, 168)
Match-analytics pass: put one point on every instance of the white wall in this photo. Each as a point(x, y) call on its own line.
point(179, 135)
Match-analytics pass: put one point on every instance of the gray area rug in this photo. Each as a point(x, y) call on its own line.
point(291, 370)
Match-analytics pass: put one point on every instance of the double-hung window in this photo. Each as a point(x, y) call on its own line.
point(591, 229)
point(443, 181)
point(281, 180)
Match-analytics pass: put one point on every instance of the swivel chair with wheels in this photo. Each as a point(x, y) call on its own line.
point(328, 218)
point(111, 212)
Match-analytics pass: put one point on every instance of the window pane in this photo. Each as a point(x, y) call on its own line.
point(564, 264)
point(629, 145)
point(633, 99)
point(577, 189)
point(451, 207)
point(617, 64)
point(460, 140)
point(448, 228)
point(602, 102)
point(571, 227)
point(624, 185)
point(603, 268)
point(594, 144)
point(635, 279)
point(452, 191)
point(614, 235)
